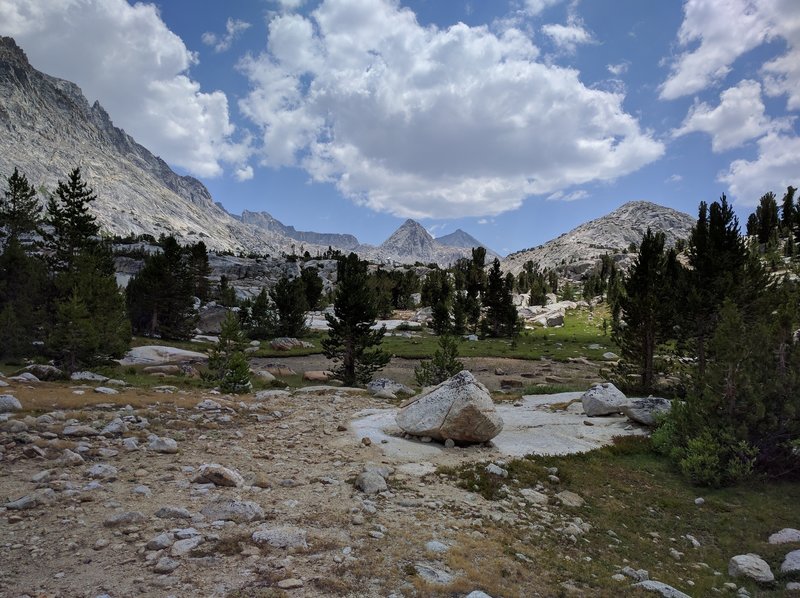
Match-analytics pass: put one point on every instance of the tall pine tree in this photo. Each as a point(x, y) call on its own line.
point(20, 212)
point(351, 342)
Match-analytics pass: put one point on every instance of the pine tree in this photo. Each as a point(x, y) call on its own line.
point(788, 211)
point(73, 338)
point(501, 314)
point(351, 342)
point(20, 212)
point(159, 296)
point(237, 375)
point(73, 226)
point(289, 299)
point(199, 270)
point(437, 292)
point(313, 287)
point(442, 366)
point(230, 342)
point(262, 320)
point(646, 306)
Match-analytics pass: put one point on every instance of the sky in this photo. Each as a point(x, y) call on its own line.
point(514, 120)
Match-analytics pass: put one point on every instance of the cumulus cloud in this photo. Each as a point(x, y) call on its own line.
point(126, 57)
point(568, 37)
point(233, 29)
point(618, 69)
point(775, 168)
point(243, 173)
point(675, 178)
point(738, 118)
point(723, 31)
point(428, 122)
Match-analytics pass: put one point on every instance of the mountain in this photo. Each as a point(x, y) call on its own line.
point(577, 251)
point(265, 221)
point(411, 240)
point(48, 128)
point(464, 240)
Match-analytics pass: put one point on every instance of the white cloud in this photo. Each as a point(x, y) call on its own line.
point(427, 122)
point(126, 57)
point(776, 167)
point(485, 220)
point(675, 178)
point(738, 118)
point(290, 5)
point(243, 173)
point(573, 196)
point(534, 7)
point(725, 31)
point(568, 37)
point(233, 29)
point(618, 69)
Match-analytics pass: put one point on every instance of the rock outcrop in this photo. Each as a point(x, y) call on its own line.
point(603, 399)
point(458, 409)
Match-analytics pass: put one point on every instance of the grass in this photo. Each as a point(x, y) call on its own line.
point(650, 509)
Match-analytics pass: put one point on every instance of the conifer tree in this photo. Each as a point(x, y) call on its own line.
point(501, 314)
point(73, 226)
point(351, 342)
point(199, 270)
point(437, 292)
point(260, 317)
point(289, 298)
point(20, 212)
point(159, 296)
point(442, 366)
point(646, 306)
point(73, 338)
point(230, 342)
point(313, 287)
point(788, 211)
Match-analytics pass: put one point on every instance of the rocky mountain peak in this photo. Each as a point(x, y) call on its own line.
point(411, 239)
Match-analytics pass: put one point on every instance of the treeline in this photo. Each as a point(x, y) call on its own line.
point(739, 407)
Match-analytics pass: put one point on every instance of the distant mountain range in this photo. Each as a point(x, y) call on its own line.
point(47, 127)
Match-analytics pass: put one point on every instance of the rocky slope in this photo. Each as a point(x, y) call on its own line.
point(577, 251)
point(48, 127)
point(464, 240)
point(267, 222)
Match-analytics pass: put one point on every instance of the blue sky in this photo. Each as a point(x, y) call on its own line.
point(514, 121)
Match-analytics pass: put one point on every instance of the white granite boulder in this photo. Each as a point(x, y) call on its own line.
point(752, 566)
point(646, 411)
point(603, 399)
point(459, 409)
point(9, 403)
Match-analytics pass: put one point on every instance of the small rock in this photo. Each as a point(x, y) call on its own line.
point(699, 501)
point(660, 588)
point(184, 547)
point(160, 542)
point(570, 499)
point(71, 458)
point(371, 482)
point(9, 403)
point(281, 537)
point(208, 405)
point(102, 471)
point(79, 430)
point(290, 584)
point(233, 510)
point(173, 513)
point(785, 536)
point(436, 546)
point(126, 518)
point(213, 473)
point(105, 390)
point(130, 444)
point(166, 565)
point(752, 566)
point(496, 470)
point(791, 563)
point(163, 445)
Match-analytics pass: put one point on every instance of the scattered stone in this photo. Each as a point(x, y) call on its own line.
point(570, 499)
point(9, 403)
point(100, 544)
point(533, 496)
point(636, 574)
point(102, 471)
point(437, 547)
point(116, 427)
point(71, 458)
point(130, 444)
point(213, 473)
point(166, 565)
point(699, 501)
point(286, 343)
point(264, 375)
point(646, 411)
point(25, 377)
point(787, 535)
point(791, 563)
point(279, 370)
point(105, 390)
point(208, 405)
point(159, 354)
point(496, 470)
point(449, 443)
point(603, 399)
point(610, 356)
point(162, 444)
point(171, 512)
point(660, 588)
point(233, 510)
point(317, 375)
point(371, 482)
point(79, 430)
point(126, 518)
point(477, 594)
point(160, 542)
point(184, 547)
point(459, 408)
point(142, 491)
point(433, 575)
point(281, 537)
point(290, 584)
point(386, 384)
point(752, 566)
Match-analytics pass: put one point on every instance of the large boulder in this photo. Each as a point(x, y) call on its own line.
point(160, 354)
point(9, 403)
point(646, 411)
point(752, 566)
point(603, 399)
point(210, 319)
point(458, 409)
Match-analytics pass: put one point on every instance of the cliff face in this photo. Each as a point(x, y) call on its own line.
point(578, 249)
